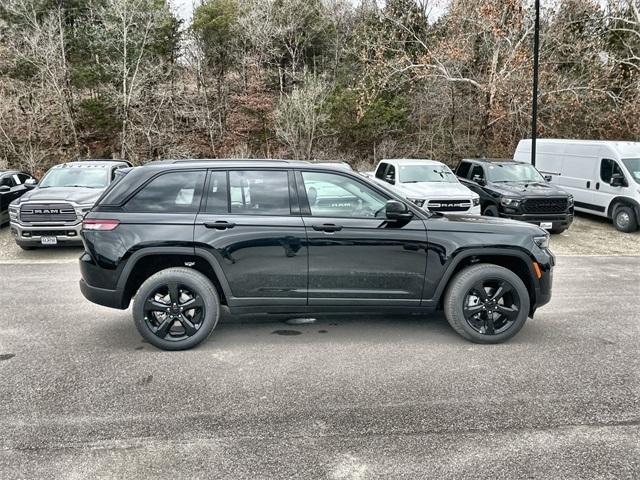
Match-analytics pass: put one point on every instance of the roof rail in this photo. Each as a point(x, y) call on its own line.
point(274, 160)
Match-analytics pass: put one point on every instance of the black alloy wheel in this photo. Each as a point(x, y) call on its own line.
point(174, 312)
point(491, 306)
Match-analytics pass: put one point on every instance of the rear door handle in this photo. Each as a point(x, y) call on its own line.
point(327, 227)
point(220, 225)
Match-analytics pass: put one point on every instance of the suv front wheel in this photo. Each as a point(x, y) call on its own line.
point(486, 303)
point(176, 308)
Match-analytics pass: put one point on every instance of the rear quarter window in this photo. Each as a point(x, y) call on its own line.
point(173, 192)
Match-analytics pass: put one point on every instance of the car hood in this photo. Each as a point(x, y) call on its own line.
point(80, 195)
point(538, 189)
point(481, 224)
point(426, 190)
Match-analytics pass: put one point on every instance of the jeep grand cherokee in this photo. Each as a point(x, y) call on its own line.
point(183, 238)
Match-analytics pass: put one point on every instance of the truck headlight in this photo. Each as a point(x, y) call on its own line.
point(510, 202)
point(542, 241)
point(418, 201)
point(476, 201)
point(13, 212)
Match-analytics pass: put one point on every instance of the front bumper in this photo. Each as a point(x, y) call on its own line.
point(558, 221)
point(32, 234)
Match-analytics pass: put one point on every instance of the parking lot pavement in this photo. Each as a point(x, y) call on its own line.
point(81, 396)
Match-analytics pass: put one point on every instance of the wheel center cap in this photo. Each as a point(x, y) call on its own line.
point(175, 310)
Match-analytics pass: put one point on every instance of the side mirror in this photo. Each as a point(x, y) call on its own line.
point(548, 178)
point(617, 180)
point(479, 180)
point(30, 183)
point(388, 178)
point(4, 188)
point(395, 210)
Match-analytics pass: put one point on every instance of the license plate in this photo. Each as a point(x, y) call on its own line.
point(48, 240)
point(546, 225)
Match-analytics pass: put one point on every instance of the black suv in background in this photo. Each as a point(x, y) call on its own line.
point(518, 191)
point(13, 184)
point(184, 238)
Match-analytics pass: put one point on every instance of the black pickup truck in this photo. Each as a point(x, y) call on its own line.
point(518, 191)
point(183, 238)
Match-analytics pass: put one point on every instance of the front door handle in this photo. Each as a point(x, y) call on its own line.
point(220, 225)
point(327, 227)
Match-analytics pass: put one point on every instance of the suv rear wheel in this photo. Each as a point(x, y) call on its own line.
point(176, 308)
point(486, 303)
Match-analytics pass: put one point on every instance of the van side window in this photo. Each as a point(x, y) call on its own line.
point(391, 174)
point(608, 168)
point(463, 169)
point(477, 170)
point(380, 170)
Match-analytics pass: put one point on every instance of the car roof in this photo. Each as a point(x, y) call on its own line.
point(412, 161)
point(499, 161)
point(91, 163)
point(240, 163)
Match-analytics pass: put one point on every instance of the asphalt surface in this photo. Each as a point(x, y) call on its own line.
point(82, 396)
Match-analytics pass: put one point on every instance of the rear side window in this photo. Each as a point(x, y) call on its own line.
point(175, 192)
point(8, 181)
point(217, 193)
point(259, 192)
point(463, 169)
point(608, 168)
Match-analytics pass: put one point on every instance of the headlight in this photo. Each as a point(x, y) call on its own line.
point(510, 202)
point(418, 201)
point(82, 210)
point(476, 201)
point(542, 241)
point(13, 212)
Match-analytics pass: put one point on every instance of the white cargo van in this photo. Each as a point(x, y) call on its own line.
point(602, 176)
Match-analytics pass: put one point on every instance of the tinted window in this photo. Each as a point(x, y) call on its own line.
point(391, 173)
point(463, 169)
point(259, 192)
point(477, 170)
point(175, 192)
point(217, 193)
point(8, 181)
point(380, 170)
point(23, 177)
point(332, 195)
point(608, 168)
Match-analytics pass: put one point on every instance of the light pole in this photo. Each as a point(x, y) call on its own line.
point(534, 107)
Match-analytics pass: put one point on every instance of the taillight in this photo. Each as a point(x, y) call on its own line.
point(99, 224)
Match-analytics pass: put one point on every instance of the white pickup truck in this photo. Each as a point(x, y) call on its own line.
point(429, 184)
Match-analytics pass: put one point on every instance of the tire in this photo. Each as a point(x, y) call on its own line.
point(151, 320)
point(557, 231)
point(491, 211)
point(624, 219)
point(462, 289)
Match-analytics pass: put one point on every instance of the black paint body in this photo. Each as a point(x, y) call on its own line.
point(274, 264)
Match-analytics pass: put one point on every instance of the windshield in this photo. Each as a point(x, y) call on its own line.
point(512, 172)
point(426, 173)
point(90, 177)
point(633, 165)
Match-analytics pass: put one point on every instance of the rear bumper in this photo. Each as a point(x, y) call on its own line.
point(102, 296)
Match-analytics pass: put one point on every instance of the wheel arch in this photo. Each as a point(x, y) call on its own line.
point(621, 200)
point(148, 261)
point(516, 260)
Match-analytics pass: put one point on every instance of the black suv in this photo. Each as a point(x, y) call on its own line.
point(183, 238)
point(518, 191)
point(13, 184)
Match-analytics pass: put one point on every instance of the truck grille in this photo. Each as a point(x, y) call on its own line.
point(449, 205)
point(47, 212)
point(545, 205)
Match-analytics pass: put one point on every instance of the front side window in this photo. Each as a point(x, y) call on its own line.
point(426, 173)
point(332, 195)
point(512, 172)
point(175, 192)
point(259, 192)
point(88, 177)
point(477, 171)
point(380, 171)
point(463, 169)
point(608, 168)
point(633, 165)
